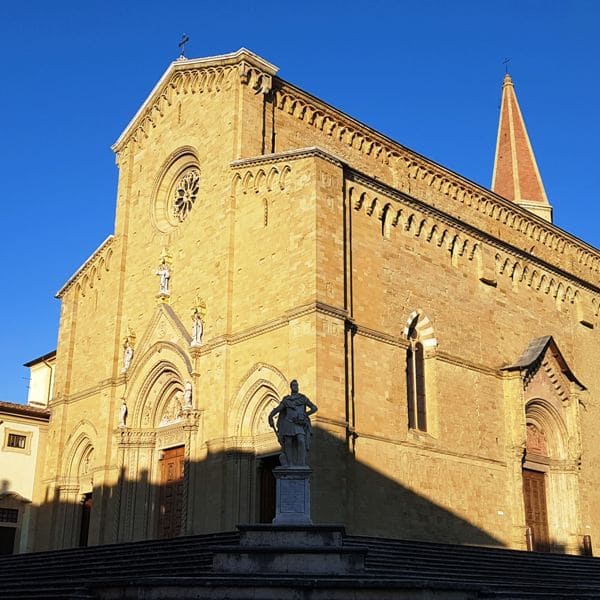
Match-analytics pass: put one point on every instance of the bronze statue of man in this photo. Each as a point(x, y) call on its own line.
point(293, 427)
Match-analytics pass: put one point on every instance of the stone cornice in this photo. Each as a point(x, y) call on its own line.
point(86, 266)
point(471, 230)
point(88, 392)
point(272, 324)
point(375, 145)
point(474, 231)
point(437, 450)
point(401, 342)
point(206, 73)
point(285, 156)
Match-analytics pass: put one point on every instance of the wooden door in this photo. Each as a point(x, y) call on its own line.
point(266, 490)
point(86, 513)
point(170, 502)
point(536, 512)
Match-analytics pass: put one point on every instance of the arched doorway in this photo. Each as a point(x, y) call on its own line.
point(260, 391)
point(551, 432)
point(534, 489)
point(86, 490)
point(550, 483)
point(72, 522)
point(155, 445)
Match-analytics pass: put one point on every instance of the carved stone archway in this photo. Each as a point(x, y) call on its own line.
point(251, 438)
point(76, 487)
point(552, 440)
point(160, 420)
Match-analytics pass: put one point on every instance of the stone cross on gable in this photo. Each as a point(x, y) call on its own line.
point(184, 40)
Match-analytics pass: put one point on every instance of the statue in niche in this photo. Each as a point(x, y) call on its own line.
point(293, 427)
point(198, 313)
point(187, 395)
point(123, 414)
point(128, 350)
point(164, 272)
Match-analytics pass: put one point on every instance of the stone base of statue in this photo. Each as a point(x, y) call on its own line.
point(290, 550)
point(292, 544)
point(163, 297)
point(292, 503)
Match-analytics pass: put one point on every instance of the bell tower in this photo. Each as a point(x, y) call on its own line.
point(516, 175)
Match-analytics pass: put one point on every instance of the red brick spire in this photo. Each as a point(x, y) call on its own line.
point(516, 175)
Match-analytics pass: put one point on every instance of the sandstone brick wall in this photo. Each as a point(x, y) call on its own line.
point(312, 265)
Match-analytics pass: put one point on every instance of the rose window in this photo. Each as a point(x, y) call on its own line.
point(185, 193)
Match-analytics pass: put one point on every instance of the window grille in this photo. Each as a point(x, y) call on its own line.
point(16, 441)
point(9, 515)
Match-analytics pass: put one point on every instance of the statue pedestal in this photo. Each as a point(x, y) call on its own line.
point(292, 505)
point(292, 544)
point(290, 550)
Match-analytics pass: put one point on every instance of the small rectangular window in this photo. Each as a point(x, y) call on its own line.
point(9, 515)
point(16, 441)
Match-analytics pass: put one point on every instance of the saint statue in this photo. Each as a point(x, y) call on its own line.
point(187, 395)
point(127, 355)
point(123, 414)
point(198, 314)
point(165, 274)
point(197, 328)
point(128, 343)
point(293, 427)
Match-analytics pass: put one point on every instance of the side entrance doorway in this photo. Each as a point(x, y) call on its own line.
point(7, 540)
point(170, 500)
point(536, 510)
point(266, 488)
point(86, 513)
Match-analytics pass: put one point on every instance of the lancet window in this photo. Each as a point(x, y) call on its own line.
point(420, 388)
point(415, 382)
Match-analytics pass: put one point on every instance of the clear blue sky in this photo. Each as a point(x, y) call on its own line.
point(426, 73)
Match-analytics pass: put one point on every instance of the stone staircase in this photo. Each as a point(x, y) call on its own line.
point(70, 573)
point(501, 573)
point(182, 568)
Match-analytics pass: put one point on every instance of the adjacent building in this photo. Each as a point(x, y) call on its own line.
point(23, 431)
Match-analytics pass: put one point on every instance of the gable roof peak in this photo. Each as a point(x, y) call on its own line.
point(243, 59)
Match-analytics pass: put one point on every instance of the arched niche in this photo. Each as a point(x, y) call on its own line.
point(259, 392)
point(254, 443)
point(546, 432)
point(154, 387)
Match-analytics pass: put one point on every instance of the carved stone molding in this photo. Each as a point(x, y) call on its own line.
point(91, 270)
point(490, 257)
point(402, 162)
point(140, 438)
point(261, 180)
point(255, 78)
point(195, 76)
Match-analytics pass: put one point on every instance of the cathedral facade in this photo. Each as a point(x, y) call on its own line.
point(446, 332)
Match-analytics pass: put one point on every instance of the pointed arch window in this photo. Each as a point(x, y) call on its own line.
point(415, 383)
point(420, 388)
